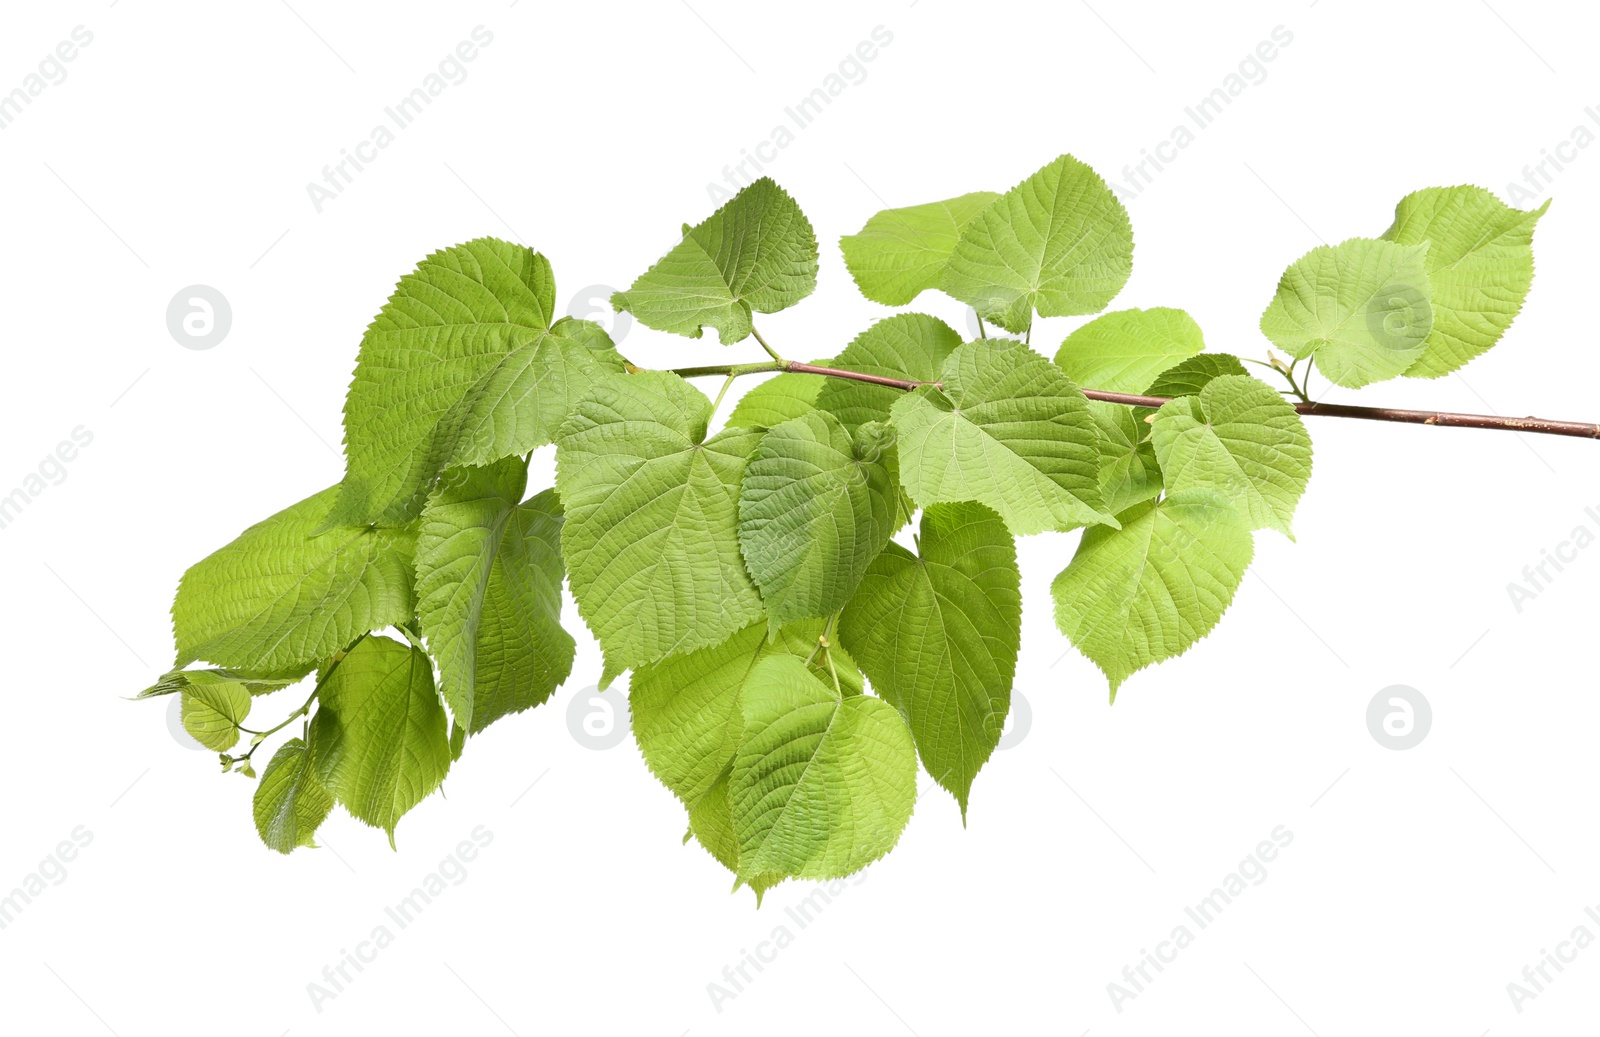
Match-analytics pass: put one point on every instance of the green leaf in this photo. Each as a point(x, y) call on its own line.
point(685, 709)
point(757, 253)
point(1480, 265)
point(687, 722)
point(1146, 592)
point(1009, 430)
point(1124, 350)
point(776, 400)
point(900, 252)
point(651, 537)
point(380, 736)
point(291, 802)
point(1129, 472)
point(524, 654)
point(938, 636)
point(1058, 243)
point(815, 508)
point(823, 784)
point(489, 593)
point(283, 596)
point(181, 680)
point(1361, 309)
point(1189, 377)
point(212, 712)
point(711, 824)
point(1243, 441)
point(463, 366)
point(912, 346)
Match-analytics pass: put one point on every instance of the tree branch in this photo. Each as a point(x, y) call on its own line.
point(1546, 426)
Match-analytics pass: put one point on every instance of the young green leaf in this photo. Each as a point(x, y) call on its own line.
point(380, 737)
point(1009, 430)
point(1058, 243)
point(1146, 592)
point(1243, 441)
point(776, 400)
point(822, 784)
point(757, 252)
point(913, 346)
point(489, 592)
point(938, 635)
point(524, 654)
point(1190, 376)
point(685, 709)
point(283, 596)
point(1361, 309)
point(815, 507)
point(711, 825)
point(1122, 351)
point(1129, 472)
point(1480, 266)
point(901, 252)
point(212, 712)
point(687, 722)
point(180, 680)
point(652, 532)
point(463, 366)
point(291, 802)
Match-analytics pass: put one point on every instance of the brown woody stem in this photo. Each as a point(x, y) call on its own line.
point(1546, 426)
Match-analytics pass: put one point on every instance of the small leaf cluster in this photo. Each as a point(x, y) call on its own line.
point(820, 597)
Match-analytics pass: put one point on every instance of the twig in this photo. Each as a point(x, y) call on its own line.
point(1545, 426)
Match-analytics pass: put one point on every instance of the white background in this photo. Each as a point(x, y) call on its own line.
point(1418, 884)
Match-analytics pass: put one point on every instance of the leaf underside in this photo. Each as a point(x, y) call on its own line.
point(755, 254)
point(1008, 430)
point(1058, 244)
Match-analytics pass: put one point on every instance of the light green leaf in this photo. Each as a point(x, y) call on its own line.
point(458, 544)
point(685, 709)
point(180, 680)
point(1361, 309)
point(1058, 243)
point(1480, 265)
point(912, 346)
point(1128, 469)
point(687, 722)
point(1189, 377)
point(524, 654)
point(822, 785)
point(900, 252)
point(1009, 430)
point(776, 400)
point(1243, 441)
point(489, 592)
point(815, 508)
point(380, 736)
point(651, 537)
point(1124, 350)
point(938, 636)
point(1146, 592)
point(283, 597)
point(522, 403)
point(291, 802)
point(757, 253)
point(711, 824)
point(212, 712)
point(463, 366)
